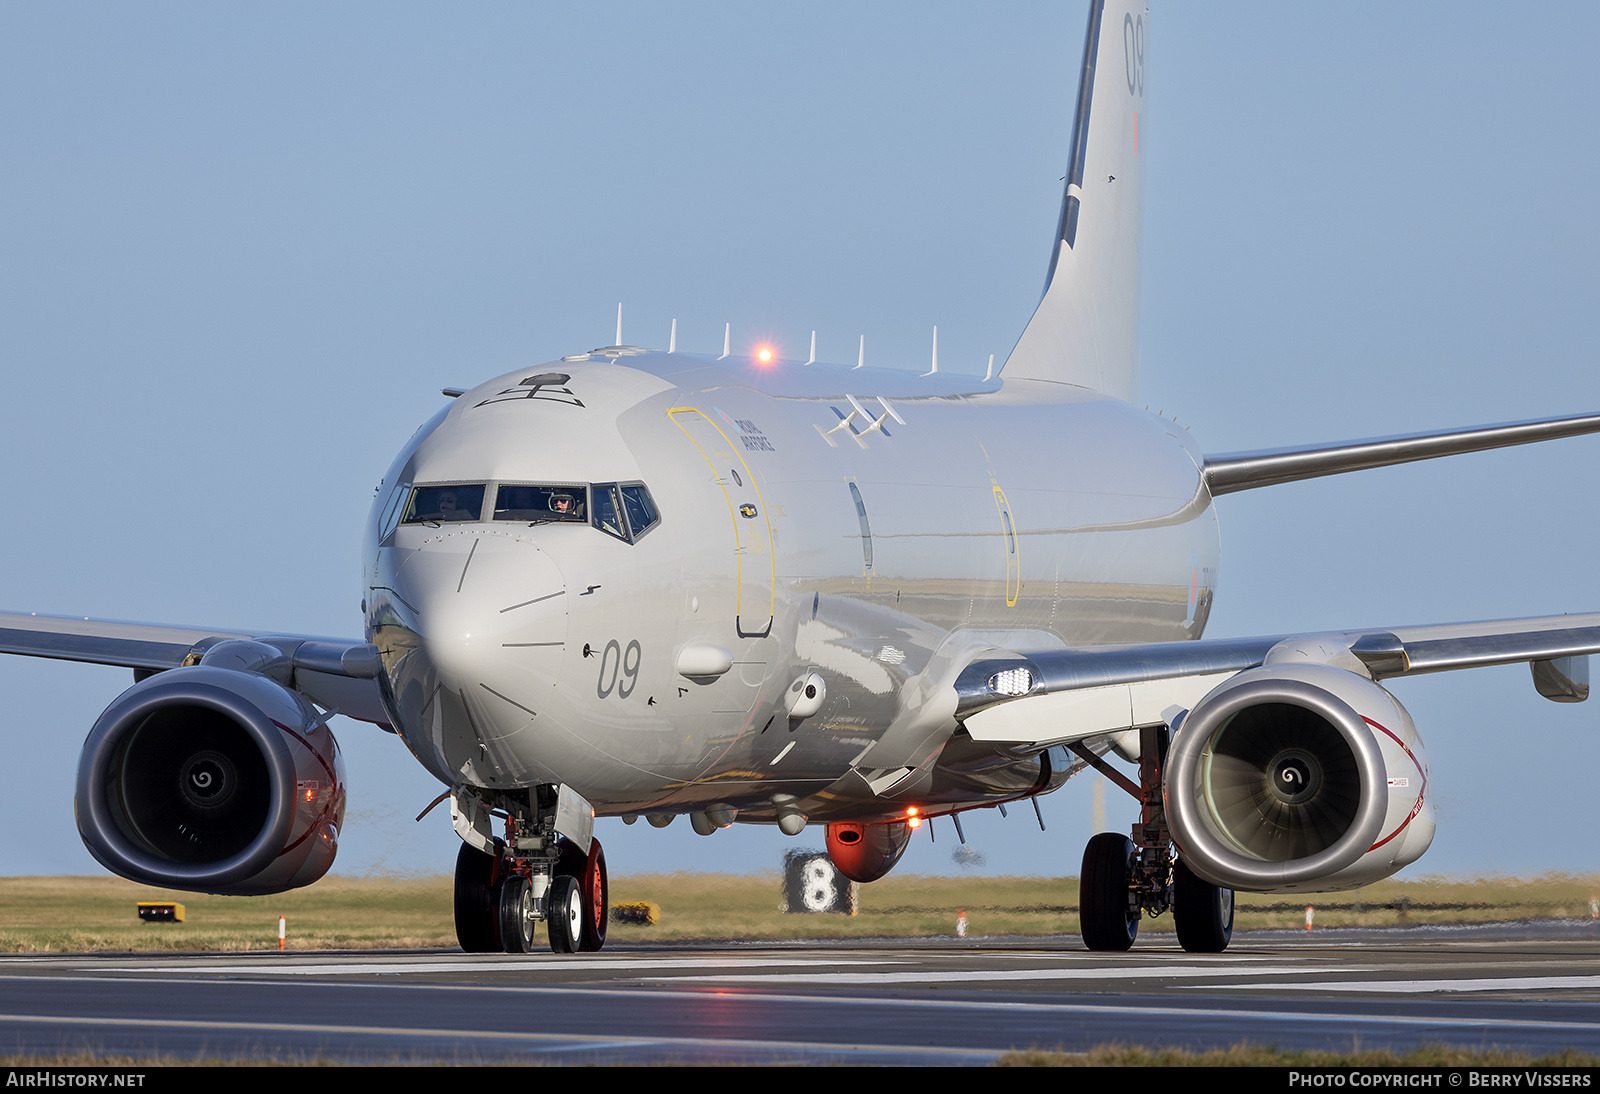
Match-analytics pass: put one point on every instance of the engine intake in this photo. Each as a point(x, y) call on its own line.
point(212, 780)
point(1297, 778)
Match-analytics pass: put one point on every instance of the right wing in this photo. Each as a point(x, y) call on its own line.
point(338, 673)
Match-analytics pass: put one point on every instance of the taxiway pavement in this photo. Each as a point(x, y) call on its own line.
point(1527, 986)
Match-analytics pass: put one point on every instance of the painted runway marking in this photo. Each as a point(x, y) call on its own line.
point(510, 964)
point(1484, 983)
point(857, 979)
point(576, 1040)
point(1142, 1010)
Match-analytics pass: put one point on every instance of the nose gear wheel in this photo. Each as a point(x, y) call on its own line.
point(565, 914)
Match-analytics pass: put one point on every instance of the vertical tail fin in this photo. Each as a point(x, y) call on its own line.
point(1085, 330)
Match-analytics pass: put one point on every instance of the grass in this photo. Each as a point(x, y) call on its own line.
point(728, 906)
point(97, 915)
point(89, 914)
point(1245, 1054)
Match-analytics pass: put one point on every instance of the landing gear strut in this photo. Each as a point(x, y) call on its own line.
point(1122, 877)
point(532, 875)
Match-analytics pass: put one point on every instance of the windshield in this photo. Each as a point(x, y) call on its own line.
point(541, 503)
point(624, 510)
point(444, 503)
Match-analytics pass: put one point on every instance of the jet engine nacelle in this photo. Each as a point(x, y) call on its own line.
point(212, 780)
point(865, 852)
point(1298, 778)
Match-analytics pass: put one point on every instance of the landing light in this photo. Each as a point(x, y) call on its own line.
point(764, 355)
point(1011, 682)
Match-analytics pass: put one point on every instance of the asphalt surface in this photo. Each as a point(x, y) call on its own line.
point(1527, 986)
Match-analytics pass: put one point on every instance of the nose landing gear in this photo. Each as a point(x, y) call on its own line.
point(516, 914)
point(564, 913)
point(531, 875)
point(592, 887)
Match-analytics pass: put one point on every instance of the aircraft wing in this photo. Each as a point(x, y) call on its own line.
point(338, 673)
point(1047, 697)
point(1231, 472)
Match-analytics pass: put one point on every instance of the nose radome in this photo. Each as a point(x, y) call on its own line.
point(491, 608)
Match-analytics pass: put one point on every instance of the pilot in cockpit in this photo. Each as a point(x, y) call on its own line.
point(449, 508)
point(539, 504)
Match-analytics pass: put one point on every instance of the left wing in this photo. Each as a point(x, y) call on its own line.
point(338, 673)
point(1047, 697)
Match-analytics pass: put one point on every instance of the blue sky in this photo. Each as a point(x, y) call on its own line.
point(244, 246)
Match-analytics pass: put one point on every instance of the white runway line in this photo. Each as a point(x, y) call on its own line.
point(564, 1041)
point(867, 979)
point(1485, 983)
point(269, 967)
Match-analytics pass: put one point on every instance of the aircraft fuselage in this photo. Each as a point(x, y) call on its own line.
point(793, 537)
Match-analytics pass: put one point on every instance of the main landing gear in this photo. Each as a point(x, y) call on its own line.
point(531, 875)
point(1123, 878)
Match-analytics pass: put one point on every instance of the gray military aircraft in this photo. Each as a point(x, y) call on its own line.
point(640, 583)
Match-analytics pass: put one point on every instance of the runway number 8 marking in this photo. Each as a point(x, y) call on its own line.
point(616, 661)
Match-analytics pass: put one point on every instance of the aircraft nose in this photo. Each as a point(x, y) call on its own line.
point(488, 619)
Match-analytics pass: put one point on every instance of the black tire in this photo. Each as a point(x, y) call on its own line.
point(564, 914)
point(593, 886)
point(477, 902)
point(1202, 912)
point(569, 860)
point(1104, 915)
point(516, 915)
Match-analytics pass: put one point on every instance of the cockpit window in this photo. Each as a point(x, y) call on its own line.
point(537, 504)
point(625, 510)
point(444, 503)
point(608, 510)
point(391, 512)
point(640, 507)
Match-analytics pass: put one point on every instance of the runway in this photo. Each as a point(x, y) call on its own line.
point(890, 1002)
